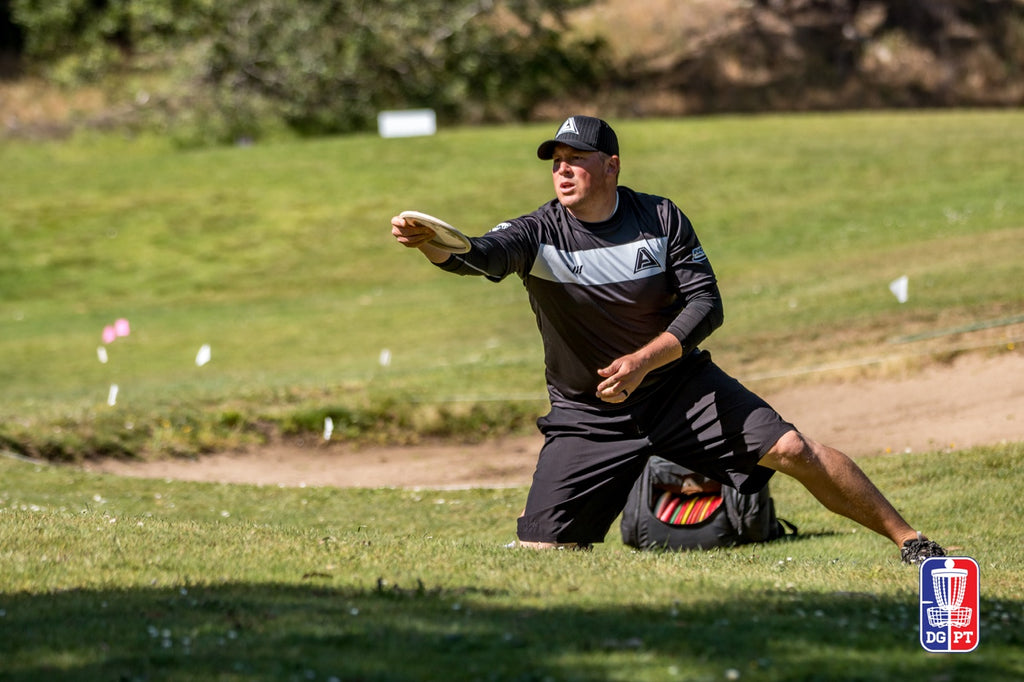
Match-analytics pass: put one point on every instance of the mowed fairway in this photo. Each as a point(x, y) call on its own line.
point(108, 578)
point(279, 257)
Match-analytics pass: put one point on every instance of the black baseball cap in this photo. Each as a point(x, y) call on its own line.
point(582, 132)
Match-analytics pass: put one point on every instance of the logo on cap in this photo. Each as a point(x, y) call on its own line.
point(582, 132)
point(569, 127)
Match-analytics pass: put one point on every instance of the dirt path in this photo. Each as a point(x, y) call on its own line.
point(973, 401)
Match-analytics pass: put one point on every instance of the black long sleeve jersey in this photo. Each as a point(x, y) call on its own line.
point(602, 290)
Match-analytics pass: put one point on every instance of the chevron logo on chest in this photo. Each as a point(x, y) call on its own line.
point(644, 260)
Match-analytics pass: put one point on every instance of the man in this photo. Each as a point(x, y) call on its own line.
point(623, 294)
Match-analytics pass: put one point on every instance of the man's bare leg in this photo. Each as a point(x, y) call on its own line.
point(839, 484)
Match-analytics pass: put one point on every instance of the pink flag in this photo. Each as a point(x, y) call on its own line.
point(109, 334)
point(122, 328)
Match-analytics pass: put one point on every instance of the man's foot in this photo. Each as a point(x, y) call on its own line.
point(920, 548)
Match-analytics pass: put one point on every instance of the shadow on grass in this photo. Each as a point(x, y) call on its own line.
point(312, 632)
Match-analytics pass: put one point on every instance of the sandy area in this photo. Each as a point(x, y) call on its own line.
point(972, 401)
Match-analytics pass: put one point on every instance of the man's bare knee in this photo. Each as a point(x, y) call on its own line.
point(791, 451)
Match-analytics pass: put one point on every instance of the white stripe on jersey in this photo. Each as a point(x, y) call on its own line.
point(607, 265)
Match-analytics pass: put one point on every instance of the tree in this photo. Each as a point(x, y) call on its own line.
point(323, 66)
point(328, 66)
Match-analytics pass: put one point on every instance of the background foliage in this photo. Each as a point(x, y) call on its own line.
point(242, 69)
point(236, 67)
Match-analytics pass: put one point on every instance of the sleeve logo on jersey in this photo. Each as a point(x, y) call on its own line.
point(698, 255)
point(645, 259)
point(501, 226)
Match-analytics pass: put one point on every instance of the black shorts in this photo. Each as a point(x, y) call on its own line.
point(705, 420)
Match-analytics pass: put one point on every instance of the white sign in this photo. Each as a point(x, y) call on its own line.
point(408, 123)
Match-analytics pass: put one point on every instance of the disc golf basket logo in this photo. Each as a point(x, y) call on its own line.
point(950, 602)
point(949, 585)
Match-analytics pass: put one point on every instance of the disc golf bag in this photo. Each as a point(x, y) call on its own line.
point(671, 507)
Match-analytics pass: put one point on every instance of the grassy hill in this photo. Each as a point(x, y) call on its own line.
point(279, 257)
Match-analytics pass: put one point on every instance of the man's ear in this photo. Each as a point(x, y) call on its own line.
point(613, 166)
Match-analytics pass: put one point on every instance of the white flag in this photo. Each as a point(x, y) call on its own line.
point(898, 287)
point(203, 356)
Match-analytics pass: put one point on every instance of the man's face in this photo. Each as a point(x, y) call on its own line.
point(583, 179)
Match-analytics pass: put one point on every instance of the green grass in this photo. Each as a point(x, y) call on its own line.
point(111, 578)
point(279, 256)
